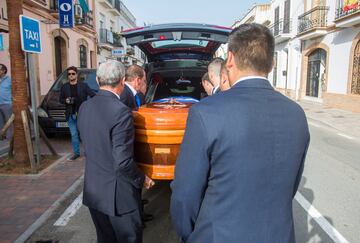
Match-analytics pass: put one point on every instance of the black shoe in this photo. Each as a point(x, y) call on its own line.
point(73, 157)
point(147, 217)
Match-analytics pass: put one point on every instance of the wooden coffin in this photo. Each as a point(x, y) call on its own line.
point(159, 130)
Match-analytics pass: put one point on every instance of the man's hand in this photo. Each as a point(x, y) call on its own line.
point(148, 182)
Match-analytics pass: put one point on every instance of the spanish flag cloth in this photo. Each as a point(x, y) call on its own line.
point(350, 4)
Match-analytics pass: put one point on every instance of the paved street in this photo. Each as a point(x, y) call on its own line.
point(330, 184)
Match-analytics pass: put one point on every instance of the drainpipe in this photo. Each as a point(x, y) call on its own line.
point(96, 34)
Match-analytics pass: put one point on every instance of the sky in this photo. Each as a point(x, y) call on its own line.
point(223, 13)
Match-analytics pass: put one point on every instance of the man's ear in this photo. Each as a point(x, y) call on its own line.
point(122, 81)
point(230, 63)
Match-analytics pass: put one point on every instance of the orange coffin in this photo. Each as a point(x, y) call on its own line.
point(159, 130)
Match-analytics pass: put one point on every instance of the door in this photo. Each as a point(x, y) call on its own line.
point(60, 55)
point(316, 75)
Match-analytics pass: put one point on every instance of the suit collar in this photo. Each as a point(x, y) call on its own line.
point(131, 88)
point(107, 93)
point(261, 83)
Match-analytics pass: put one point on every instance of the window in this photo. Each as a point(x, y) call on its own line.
point(355, 79)
point(179, 43)
point(83, 56)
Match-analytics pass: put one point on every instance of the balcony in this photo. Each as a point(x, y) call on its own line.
point(347, 16)
point(313, 23)
point(85, 21)
point(54, 8)
point(127, 15)
point(106, 3)
point(109, 39)
point(281, 30)
point(106, 39)
point(115, 10)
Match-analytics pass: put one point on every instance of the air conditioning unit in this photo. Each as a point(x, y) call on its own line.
point(78, 11)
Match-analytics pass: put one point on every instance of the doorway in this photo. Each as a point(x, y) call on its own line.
point(60, 55)
point(316, 74)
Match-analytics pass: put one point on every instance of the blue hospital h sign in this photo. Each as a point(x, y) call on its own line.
point(30, 34)
point(66, 13)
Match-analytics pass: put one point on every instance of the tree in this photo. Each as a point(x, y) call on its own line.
point(18, 76)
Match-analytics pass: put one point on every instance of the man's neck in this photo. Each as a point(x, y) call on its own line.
point(73, 82)
point(131, 87)
point(246, 73)
point(116, 90)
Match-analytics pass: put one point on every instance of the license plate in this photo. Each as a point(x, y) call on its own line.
point(62, 124)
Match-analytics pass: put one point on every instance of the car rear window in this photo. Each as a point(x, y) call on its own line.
point(178, 88)
point(87, 76)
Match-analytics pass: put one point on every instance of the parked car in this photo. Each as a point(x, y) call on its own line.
point(51, 112)
point(178, 56)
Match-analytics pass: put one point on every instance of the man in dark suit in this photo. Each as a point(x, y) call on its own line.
point(72, 95)
point(135, 77)
point(239, 167)
point(112, 179)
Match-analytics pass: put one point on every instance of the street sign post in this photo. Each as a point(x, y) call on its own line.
point(1, 42)
point(66, 13)
point(30, 34)
point(31, 43)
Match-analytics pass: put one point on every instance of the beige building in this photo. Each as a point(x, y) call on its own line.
point(60, 47)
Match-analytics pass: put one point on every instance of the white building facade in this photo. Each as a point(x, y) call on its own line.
point(112, 18)
point(317, 50)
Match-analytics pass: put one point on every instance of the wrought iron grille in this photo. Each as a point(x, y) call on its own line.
point(315, 18)
point(344, 10)
point(54, 5)
point(86, 19)
point(355, 82)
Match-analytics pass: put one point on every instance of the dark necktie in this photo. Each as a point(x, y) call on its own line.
point(137, 100)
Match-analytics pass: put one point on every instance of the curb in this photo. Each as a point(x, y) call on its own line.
point(46, 215)
point(58, 161)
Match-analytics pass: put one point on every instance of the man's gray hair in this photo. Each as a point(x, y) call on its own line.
point(214, 69)
point(110, 73)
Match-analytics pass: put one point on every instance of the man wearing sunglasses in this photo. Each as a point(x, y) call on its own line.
point(72, 94)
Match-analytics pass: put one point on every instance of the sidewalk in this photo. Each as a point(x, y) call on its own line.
point(344, 121)
point(24, 198)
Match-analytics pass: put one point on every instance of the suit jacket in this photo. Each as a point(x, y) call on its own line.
point(127, 98)
point(83, 92)
point(239, 167)
point(112, 179)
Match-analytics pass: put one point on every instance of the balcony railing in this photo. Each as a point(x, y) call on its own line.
point(54, 5)
point(281, 27)
point(343, 11)
point(315, 18)
point(85, 19)
point(106, 36)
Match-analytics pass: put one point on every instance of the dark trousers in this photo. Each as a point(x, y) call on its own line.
point(126, 228)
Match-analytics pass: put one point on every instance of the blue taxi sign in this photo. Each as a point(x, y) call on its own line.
point(30, 34)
